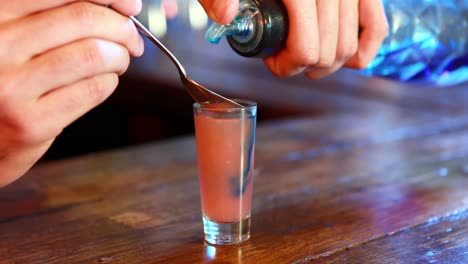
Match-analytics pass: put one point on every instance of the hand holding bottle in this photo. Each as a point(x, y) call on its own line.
point(323, 34)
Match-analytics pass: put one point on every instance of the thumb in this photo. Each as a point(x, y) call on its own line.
point(220, 11)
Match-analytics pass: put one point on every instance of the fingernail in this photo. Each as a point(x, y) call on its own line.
point(219, 9)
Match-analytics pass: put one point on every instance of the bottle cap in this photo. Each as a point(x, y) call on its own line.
point(259, 29)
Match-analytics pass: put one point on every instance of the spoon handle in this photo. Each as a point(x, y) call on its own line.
point(158, 43)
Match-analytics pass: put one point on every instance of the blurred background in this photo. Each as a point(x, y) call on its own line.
point(150, 103)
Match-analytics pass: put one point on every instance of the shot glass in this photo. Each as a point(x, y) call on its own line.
point(225, 138)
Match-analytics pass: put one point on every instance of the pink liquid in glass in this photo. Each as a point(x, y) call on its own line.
point(225, 147)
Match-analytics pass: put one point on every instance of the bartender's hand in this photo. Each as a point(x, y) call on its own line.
point(58, 60)
point(323, 34)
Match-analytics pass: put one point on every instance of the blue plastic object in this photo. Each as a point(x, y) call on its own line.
point(427, 42)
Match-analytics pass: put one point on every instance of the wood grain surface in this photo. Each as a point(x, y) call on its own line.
point(324, 190)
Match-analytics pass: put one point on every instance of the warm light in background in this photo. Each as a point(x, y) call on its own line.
point(157, 20)
point(159, 11)
point(197, 16)
point(170, 7)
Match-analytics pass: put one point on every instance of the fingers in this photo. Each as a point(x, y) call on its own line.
point(323, 36)
point(220, 11)
point(302, 45)
point(13, 166)
point(374, 29)
point(327, 12)
point(44, 119)
point(347, 38)
point(58, 60)
point(72, 63)
point(23, 8)
point(80, 23)
point(64, 105)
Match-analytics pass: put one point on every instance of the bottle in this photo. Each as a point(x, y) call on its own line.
point(427, 41)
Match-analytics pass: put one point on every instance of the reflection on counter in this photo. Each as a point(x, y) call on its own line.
point(223, 254)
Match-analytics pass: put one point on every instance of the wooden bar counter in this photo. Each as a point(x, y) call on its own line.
point(388, 187)
point(347, 170)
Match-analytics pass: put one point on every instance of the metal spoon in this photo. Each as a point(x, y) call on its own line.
point(199, 93)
